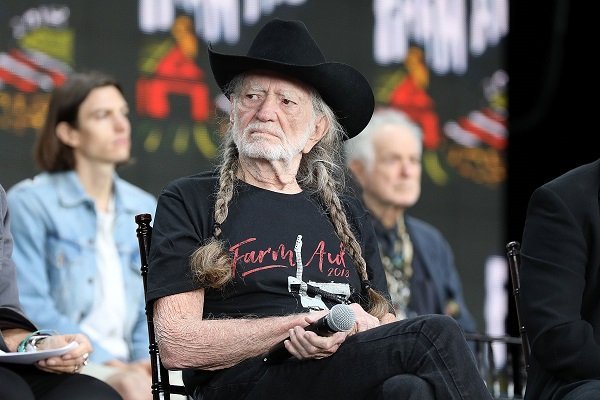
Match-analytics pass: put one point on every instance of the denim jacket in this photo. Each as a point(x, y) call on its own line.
point(53, 222)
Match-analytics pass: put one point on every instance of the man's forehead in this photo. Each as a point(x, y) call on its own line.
point(393, 138)
point(271, 80)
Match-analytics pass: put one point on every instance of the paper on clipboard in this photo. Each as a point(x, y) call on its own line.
point(33, 356)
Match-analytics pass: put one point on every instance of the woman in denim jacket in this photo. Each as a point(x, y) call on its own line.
point(74, 231)
point(50, 378)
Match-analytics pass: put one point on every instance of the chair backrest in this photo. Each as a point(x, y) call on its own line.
point(513, 254)
point(161, 386)
point(501, 380)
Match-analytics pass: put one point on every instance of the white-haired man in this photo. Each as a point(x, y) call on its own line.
point(385, 160)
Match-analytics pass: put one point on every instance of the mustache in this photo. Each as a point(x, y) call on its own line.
point(261, 127)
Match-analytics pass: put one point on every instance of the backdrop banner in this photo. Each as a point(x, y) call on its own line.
point(439, 61)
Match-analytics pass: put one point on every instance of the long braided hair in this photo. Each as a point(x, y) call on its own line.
point(321, 173)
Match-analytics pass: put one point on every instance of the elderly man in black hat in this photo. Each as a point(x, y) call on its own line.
point(258, 255)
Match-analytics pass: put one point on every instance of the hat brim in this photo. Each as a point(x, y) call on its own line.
point(342, 87)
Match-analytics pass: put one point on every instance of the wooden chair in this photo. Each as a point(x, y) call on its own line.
point(509, 383)
point(161, 386)
point(513, 254)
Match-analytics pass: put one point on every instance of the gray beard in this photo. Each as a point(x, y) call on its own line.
point(284, 151)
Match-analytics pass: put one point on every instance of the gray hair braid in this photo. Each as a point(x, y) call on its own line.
point(321, 171)
point(211, 263)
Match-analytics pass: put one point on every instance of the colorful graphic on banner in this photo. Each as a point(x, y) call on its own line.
point(169, 68)
point(35, 63)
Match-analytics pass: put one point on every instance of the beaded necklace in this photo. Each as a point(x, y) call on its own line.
point(398, 269)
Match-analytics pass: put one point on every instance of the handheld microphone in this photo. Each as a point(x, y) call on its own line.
point(339, 319)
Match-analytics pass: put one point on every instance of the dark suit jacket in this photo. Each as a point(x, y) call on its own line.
point(434, 255)
point(560, 282)
point(434, 258)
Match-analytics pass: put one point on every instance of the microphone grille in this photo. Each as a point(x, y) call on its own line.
point(341, 318)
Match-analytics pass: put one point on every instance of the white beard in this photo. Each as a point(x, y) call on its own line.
point(260, 147)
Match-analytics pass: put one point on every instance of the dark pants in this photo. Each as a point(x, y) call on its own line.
point(411, 386)
point(585, 390)
point(422, 358)
point(26, 382)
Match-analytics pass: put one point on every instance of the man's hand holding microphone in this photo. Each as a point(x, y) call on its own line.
point(324, 333)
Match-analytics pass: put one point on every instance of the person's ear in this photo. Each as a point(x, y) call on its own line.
point(320, 128)
point(67, 134)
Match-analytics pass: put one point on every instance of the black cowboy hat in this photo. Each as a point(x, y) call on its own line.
point(288, 47)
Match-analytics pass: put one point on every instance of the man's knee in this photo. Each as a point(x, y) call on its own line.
point(441, 323)
point(411, 387)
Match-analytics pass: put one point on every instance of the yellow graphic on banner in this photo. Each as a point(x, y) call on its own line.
point(52, 42)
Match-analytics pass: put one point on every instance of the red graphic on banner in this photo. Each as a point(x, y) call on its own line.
point(486, 125)
point(481, 125)
point(29, 71)
point(176, 74)
point(410, 96)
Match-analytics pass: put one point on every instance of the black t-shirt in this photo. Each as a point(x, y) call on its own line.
point(263, 230)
